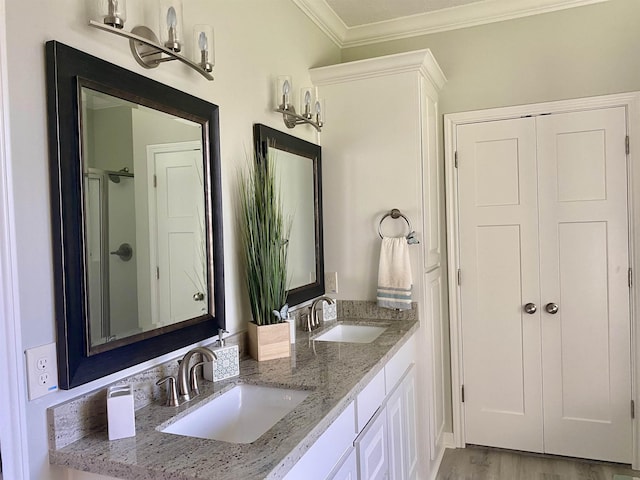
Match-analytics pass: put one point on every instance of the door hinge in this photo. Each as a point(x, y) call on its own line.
point(459, 276)
point(626, 144)
point(630, 277)
point(455, 159)
point(155, 181)
point(633, 409)
point(158, 273)
point(462, 393)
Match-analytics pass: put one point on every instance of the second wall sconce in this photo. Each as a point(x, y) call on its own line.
point(311, 108)
point(147, 49)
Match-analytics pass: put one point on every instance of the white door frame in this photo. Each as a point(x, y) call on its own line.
point(631, 101)
point(13, 435)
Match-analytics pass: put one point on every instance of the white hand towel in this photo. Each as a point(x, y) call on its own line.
point(394, 274)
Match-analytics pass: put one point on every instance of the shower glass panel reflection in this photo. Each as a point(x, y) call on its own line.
point(111, 245)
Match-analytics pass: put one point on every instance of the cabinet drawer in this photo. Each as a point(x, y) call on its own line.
point(369, 400)
point(399, 363)
point(325, 453)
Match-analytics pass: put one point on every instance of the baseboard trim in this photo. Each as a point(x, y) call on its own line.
point(436, 464)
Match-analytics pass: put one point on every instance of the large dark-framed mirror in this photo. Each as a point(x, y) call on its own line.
point(136, 216)
point(299, 179)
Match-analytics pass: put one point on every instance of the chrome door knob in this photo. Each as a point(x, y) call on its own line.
point(551, 308)
point(530, 308)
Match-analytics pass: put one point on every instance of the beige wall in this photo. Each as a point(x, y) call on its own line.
point(573, 53)
point(580, 52)
point(252, 48)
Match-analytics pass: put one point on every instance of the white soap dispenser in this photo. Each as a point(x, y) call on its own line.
point(227, 363)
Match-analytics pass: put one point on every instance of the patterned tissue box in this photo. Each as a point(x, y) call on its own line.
point(329, 311)
point(227, 364)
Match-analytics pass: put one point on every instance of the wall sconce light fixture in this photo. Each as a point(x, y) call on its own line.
point(312, 109)
point(147, 49)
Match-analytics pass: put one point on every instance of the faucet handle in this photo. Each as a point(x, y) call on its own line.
point(172, 394)
point(193, 380)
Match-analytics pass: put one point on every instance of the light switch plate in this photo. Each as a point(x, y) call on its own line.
point(42, 370)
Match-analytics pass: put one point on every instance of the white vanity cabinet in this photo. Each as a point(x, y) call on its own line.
point(319, 461)
point(383, 442)
point(401, 420)
point(387, 445)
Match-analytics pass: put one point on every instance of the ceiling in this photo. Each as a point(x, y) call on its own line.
point(352, 23)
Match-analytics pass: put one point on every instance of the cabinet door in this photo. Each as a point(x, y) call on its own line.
point(410, 437)
point(373, 457)
point(401, 422)
point(348, 470)
point(432, 183)
point(397, 424)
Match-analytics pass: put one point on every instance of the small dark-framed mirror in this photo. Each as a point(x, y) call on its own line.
point(136, 216)
point(299, 178)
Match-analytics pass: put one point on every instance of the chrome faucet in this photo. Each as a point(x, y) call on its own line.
point(312, 321)
point(184, 379)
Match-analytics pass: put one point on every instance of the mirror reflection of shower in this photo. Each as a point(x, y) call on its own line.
point(111, 235)
point(115, 176)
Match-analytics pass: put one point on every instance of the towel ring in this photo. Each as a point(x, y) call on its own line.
point(394, 213)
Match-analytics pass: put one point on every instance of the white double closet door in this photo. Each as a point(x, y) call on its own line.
point(544, 260)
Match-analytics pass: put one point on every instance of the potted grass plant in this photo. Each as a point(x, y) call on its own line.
point(264, 235)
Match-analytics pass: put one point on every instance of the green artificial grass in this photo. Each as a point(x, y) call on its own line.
point(264, 232)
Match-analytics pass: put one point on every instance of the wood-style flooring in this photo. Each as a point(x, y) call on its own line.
point(481, 463)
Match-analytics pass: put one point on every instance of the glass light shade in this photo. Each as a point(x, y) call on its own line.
point(112, 12)
point(283, 92)
point(319, 112)
point(171, 24)
point(307, 101)
point(203, 47)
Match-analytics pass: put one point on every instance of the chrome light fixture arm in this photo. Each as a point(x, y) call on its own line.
point(291, 118)
point(148, 51)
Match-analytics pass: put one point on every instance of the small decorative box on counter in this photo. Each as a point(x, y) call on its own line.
point(227, 363)
point(120, 412)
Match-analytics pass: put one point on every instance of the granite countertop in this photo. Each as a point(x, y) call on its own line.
point(334, 373)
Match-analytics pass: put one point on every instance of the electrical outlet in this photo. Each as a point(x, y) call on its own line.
point(331, 282)
point(42, 363)
point(42, 370)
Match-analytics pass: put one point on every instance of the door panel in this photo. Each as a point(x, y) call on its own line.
point(181, 248)
point(499, 267)
point(584, 252)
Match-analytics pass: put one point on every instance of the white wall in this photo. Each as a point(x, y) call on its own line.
point(252, 47)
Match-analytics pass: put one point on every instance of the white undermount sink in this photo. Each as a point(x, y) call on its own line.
point(240, 415)
point(351, 334)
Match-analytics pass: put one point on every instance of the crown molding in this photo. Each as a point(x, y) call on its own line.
point(421, 61)
point(325, 18)
point(470, 15)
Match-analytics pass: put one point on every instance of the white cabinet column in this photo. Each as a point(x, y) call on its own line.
point(380, 152)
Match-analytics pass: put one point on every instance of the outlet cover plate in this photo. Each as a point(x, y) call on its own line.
point(331, 282)
point(42, 370)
